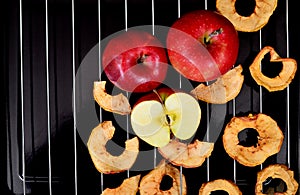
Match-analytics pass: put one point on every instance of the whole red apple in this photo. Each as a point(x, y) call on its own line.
point(202, 45)
point(135, 61)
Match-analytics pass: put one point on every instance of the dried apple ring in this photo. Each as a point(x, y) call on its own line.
point(224, 89)
point(254, 22)
point(278, 171)
point(102, 159)
point(129, 186)
point(186, 155)
point(150, 183)
point(269, 140)
point(118, 104)
point(220, 184)
point(280, 82)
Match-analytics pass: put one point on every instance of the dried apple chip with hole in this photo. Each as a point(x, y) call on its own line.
point(129, 186)
point(150, 183)
point(280, 82)
point(269, 139)
point(118, 103)
point(102, 159)
point(224, 89)
point(220, 185)
point(255, 21)
point(187, 155)
point(276, 171)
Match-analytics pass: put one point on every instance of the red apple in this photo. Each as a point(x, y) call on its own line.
point(135, 60)
point(163, 111)
point(202, 45)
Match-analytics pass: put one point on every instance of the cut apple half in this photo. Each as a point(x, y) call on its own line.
point(224, 89)
point(150, 183)
point(118, 103)
point(153, 120)
point(129, 186)
point(186, 155)
point(102, 159)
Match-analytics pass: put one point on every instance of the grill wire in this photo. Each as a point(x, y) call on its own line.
point(51, 179)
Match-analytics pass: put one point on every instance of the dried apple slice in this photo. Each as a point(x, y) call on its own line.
point(186, 155)
point(150, 183)
point(118, 103)
point(102, 159)
point(220, 184)
point(280, 82)
point(129, 186)
point(224, 89)
point(254, 22)
point(279, 171)
point(269, 140)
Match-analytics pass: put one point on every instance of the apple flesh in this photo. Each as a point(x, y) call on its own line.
point(135, 61)
point(202, 45)
point(154, 120)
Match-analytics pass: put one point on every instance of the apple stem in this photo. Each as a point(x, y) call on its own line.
point(213, 34)
point(168, 118)
point(160, 99)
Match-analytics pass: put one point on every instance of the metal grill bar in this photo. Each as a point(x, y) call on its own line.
point(74, 98)
point(48, 98)
point(288, 88)
point(22, 98)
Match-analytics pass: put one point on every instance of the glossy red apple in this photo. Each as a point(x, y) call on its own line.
point(202, 45)
point(135, 60)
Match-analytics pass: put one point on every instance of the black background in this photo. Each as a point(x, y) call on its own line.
point(60, 72)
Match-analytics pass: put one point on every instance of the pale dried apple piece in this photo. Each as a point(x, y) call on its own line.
point(129, 186)
point(281, 81)
point(102, 159)
point(279, 171)
point(118, 103)
point(224, 89)
point(220, 184)
point(150, 183)
point(269, 141)
point(254, 22)
point(187, 155)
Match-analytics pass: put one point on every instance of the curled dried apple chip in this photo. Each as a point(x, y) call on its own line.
point(150, 183)
point(186, 155)
point(224, 89)
point(255, 21)
point(220, 185)
point(118, 103)
point(102, 159)
point(129, 186)
point(269, 139)
point(280, 82)
point(277, 171)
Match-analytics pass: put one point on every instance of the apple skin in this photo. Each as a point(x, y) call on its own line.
point(159, 95)
point(135, 61)
point(195, 54)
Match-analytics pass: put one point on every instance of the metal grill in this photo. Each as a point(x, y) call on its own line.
point(46, 44)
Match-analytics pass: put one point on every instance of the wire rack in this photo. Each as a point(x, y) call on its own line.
point(46, 151)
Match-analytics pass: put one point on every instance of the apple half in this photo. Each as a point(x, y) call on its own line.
point(129, 186)
point(187, 155)
point(113, 103)
point(105, 162)
point(154, 120)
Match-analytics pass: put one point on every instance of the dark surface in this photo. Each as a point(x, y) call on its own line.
point(61, 113)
